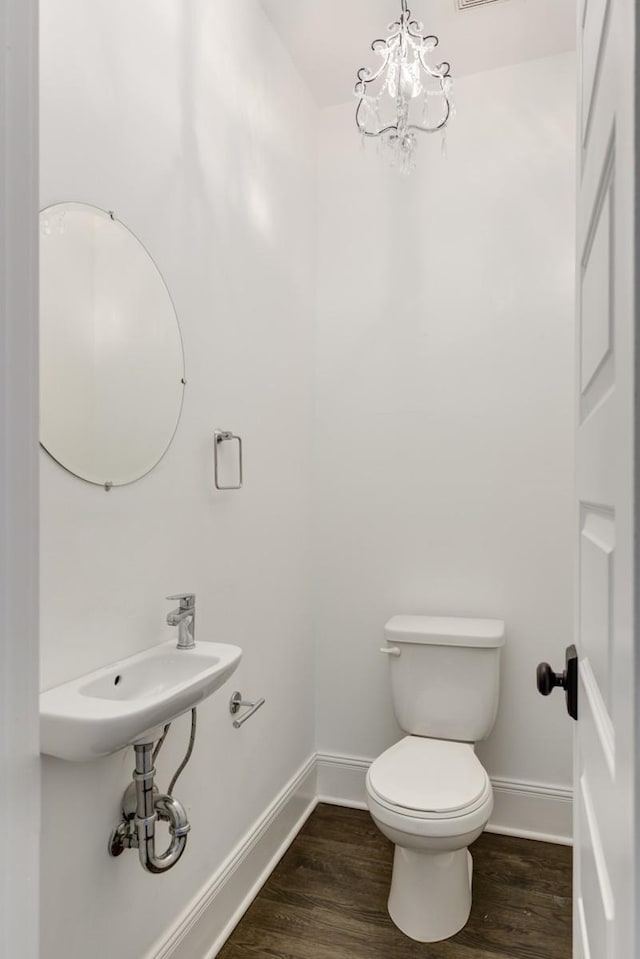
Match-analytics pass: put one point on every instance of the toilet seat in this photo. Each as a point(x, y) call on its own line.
point(429, 779)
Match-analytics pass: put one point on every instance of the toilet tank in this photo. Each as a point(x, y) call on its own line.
point(445, 675)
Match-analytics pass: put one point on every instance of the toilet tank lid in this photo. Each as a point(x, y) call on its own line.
point(445, 631)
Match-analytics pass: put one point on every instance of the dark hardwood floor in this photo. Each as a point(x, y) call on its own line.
point(327, 899)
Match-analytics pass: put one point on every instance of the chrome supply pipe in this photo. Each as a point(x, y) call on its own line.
point(149, 808)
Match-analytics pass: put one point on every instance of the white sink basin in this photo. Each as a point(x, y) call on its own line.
point(131, 700)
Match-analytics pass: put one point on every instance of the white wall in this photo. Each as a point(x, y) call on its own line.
point(187, 119)
point(444, 419)
point(445, 365)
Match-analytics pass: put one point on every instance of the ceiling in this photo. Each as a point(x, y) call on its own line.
point(330, 39)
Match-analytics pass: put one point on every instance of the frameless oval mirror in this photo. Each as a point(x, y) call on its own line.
point(111, 357)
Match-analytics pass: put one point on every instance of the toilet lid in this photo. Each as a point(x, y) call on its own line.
point(429, 775)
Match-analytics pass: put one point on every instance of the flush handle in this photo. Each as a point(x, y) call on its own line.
point(390, 650)
point(548, 680)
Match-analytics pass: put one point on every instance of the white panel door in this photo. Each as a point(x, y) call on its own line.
point(604, 810)
point(19, 758)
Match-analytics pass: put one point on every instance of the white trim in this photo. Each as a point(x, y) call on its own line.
point(529, 810)
point(532, 811)
point(19, 706)
point(213, 914)
point(341, 780)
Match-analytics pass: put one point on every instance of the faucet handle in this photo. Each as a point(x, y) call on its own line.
point(186, 600)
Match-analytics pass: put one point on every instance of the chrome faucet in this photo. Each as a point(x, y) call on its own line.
point(184, 617)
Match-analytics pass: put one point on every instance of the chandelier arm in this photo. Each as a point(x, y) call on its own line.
point(360, 126)
point(413, 126)
point(415, 28)
point(443, 123)
point(392, 128)
point(365, 75)
point(368, 133)
point(441, 72)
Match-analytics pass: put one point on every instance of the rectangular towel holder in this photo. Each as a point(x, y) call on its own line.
point(224, 436)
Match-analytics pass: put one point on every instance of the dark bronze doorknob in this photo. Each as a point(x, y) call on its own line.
point(547, 680)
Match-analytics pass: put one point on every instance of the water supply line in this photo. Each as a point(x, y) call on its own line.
point(143, 806)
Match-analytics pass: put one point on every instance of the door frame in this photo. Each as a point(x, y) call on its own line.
point(19, 614)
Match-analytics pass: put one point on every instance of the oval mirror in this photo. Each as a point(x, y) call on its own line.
point(111, 357)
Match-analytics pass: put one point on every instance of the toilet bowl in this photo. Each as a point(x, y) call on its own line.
point(432, 799)
point(429, 793)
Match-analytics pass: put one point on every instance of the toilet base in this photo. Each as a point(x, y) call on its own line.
point(430, 896)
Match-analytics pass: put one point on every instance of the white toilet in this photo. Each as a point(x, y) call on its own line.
point(429, 794)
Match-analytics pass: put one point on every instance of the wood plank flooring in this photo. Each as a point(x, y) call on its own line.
point(327, 899)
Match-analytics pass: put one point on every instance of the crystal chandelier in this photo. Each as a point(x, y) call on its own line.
point(413, 95)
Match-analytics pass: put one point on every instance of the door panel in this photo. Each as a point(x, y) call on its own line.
point(596, 568)
point(604, 823)
point(596, 318)
point(597, 893)
point(591, 34)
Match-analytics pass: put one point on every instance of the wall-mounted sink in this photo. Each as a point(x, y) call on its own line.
point(131, 700)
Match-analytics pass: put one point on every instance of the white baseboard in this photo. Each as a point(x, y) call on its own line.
point(521, 809)
point(341, 780)
point(532, 811)
point(212, 915)
point(529, 810)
